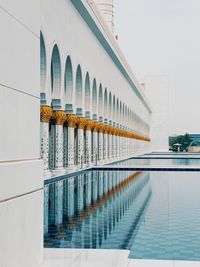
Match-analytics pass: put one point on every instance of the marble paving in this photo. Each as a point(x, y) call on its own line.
point(103, 258)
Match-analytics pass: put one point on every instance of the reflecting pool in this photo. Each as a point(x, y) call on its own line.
point(156, 215)
point(95, 209)
point(158, 161)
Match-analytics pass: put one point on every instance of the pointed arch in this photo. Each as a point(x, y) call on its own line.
point(94, 97)
point(55, 72)
point(100, 102)
point(126, 113)
point(114, 109)
point(42, 63)
point(105, 103)
point(68, 80)
point(78, 95)
point(123, 114)
point(120, 112)
point(110, 106)
point(117, 111)
point(87, 93)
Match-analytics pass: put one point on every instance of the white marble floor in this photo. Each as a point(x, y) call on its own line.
point(103, 258)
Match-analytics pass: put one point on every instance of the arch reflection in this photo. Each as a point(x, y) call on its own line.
point(94, 209)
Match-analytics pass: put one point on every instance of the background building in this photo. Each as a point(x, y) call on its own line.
point(157, 91)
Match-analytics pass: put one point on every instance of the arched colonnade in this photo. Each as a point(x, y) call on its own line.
point(95, 124)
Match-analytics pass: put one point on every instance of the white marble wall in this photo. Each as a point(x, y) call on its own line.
point(21, 184)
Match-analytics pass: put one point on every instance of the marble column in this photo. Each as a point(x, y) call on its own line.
point(59, 117)
point(119, 144)
point(101, 142)
point(71, 122)
point(81, 122)
point(109, 142)
point(113, 144)
point(129, 145)
point(88, 141)
point(65, 138)
point(122, 144)
point(45, 116)
point(105, 143)
point(116, 143)
point(95, 142)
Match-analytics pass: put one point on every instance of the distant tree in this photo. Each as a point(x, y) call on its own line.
point(184, 140)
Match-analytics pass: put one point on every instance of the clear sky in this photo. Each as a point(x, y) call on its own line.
point(163, 37)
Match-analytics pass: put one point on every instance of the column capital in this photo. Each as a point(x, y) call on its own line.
point(115, 130)
point(81, 122)
point(101, 127)
point(46, 113)
point(71, 120)
point(106, 129)
point(89, 125)
point(59, 117)
point(109, 129)
point(96, 126)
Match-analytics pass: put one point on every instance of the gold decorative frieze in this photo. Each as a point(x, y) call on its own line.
point(71, 120)
point(59, 116)
point(46, 113)
point(81, 122)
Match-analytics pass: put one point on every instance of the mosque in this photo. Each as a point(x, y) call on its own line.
point(93, 109)
point(69, 100)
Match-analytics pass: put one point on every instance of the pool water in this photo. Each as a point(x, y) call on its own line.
point(158, 161)
point(156, 215)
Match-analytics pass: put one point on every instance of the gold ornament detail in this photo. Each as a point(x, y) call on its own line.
point(106, 129)
point(101, 127)
point(81, 122)
point(46, 113)
point(96, 127)
point(109, 129)
point(71, 120)
point(89, 125)
point(138, 136)
point(59, 116)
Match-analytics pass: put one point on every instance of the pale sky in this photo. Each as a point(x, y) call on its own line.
point(163, 37)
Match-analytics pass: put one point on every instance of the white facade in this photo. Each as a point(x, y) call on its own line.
point(106, 8)
point(21, 170)
point(92, 109)
point(86, 85)
point(157, 90)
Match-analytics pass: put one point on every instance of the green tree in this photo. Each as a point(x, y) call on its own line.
point(184, 140)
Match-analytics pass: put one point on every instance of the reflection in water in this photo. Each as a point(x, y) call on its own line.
point(95, 209)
